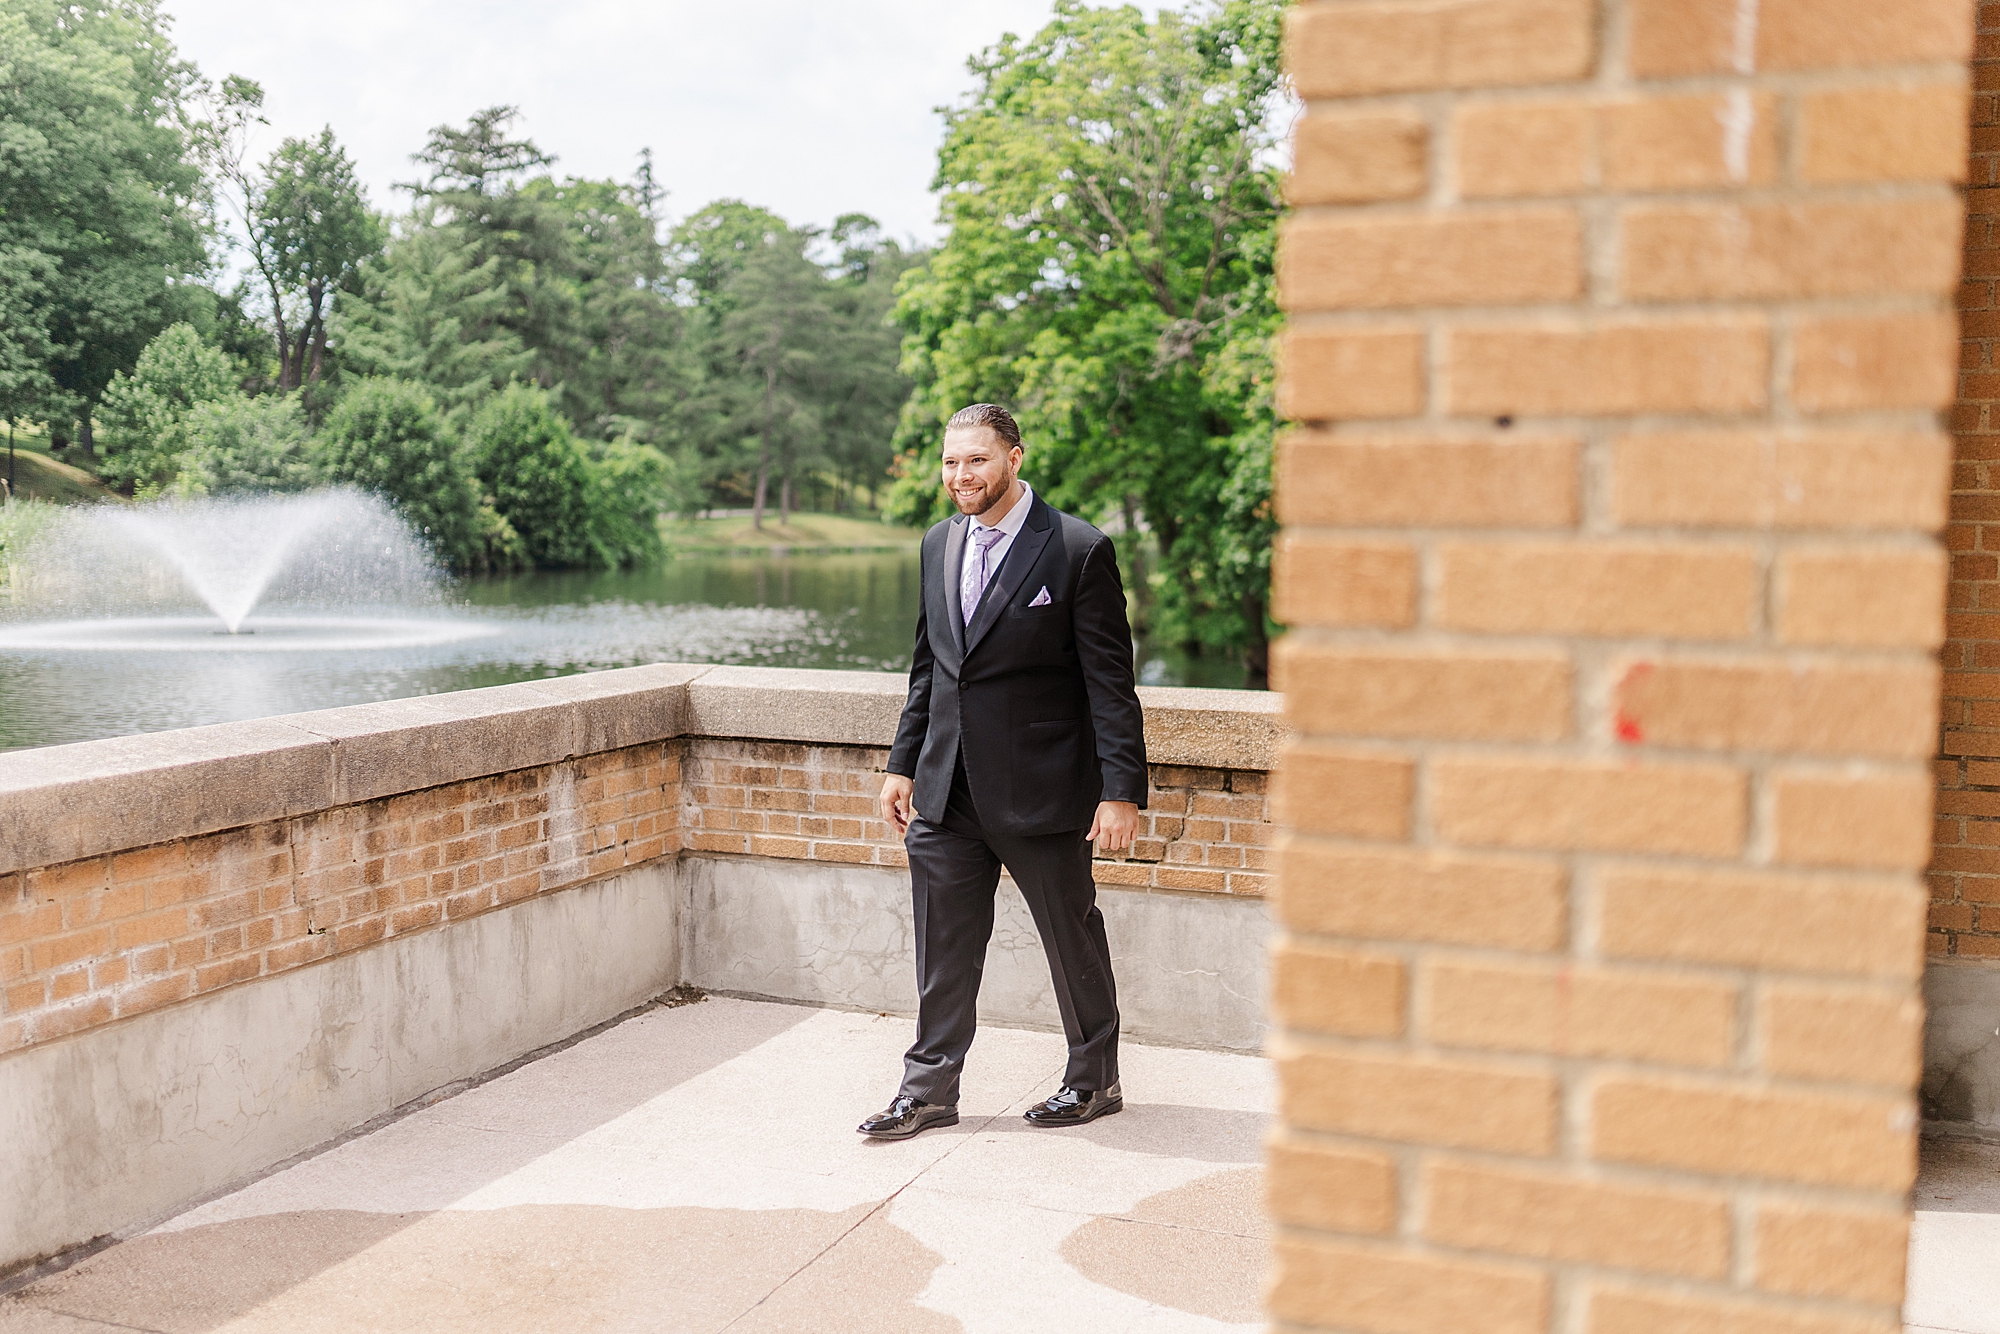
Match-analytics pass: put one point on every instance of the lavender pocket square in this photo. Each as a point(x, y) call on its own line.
point(1042, 599)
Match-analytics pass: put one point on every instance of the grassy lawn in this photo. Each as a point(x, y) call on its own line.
point(39, 477)
point(806, 531)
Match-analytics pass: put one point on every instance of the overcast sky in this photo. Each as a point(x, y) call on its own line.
point(812, 108)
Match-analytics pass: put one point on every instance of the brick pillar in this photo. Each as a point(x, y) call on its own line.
point(1619, 335)
point(1965, 866)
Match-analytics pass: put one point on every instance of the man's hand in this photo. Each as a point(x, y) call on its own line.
point(897, 802)
point(1116, 825)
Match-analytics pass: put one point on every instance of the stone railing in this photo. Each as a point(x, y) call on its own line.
point(224, 945)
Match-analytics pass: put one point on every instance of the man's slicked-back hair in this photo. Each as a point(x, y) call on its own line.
point(988, 414)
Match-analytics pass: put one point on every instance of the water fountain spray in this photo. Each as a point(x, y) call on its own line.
point(229, 551)
point(344, 567)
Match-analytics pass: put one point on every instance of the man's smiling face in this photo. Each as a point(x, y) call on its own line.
point(979, 467)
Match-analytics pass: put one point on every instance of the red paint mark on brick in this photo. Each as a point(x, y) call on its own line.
point(1628, 728)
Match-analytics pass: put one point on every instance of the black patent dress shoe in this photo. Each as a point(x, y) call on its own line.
point(906, 1117)
point(1072, 1107)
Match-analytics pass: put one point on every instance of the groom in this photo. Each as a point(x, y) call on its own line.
point(1021, 743)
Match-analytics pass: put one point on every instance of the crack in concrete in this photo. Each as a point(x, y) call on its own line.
point(97, 1323)
point(881, 1208)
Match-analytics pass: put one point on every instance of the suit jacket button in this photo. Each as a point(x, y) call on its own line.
point(963, 685)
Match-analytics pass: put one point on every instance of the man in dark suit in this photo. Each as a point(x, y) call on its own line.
point(1021, 743)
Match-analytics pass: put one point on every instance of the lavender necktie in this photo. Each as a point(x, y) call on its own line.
point(973, 585)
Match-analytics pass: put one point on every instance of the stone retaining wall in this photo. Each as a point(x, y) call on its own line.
point(88, 942)
point(223, 945)
point(125, 931)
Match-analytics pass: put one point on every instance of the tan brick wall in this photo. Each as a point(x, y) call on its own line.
point(1204, 830)
point(91, 942)
point(95, 941)
point(1965, 864)
point(784, 799)
point(1619, 335)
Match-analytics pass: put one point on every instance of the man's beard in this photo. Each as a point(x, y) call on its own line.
point(985, 500)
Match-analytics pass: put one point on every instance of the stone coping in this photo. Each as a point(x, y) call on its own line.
point(63, 803)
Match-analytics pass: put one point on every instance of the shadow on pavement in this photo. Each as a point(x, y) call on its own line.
point(313, 1269)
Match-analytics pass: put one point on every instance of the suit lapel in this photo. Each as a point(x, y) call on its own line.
point(954, 551)
point(1006, 581)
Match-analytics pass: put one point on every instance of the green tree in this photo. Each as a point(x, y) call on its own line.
point(1111, 190)
point(387, 436)
point(145, 415)
point(619, 370)
point(710, 247)
point(631, 483)
point(496, 277)
point(571, 503)
point(314, 231)
point(728, 349)
point(865, 389)
point(225, 325)
point(790, 354)
point(540, 480)
point(775, 339)
point(430, 312)
point(240, 444)
point(704, 252)
point(100, 200)
point(26, 385)
point(473, 190)
point(462, 301)
point(306, 222)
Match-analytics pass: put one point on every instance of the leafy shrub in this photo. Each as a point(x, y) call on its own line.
point(143, 416)
point(540, 479)
point(498, 546)
point(247, 444)
point(916, 496)
point(631, 485)
point(386, 436)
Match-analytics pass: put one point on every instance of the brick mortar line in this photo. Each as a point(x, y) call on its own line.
point(1599, 1276)
point(1578, 311)
point(1750, 977)
point(1829, 78)
point(1574, 1072)
point(1775, 191)
point(1760, 1190)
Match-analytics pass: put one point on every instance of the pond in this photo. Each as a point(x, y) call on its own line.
point(849, 611)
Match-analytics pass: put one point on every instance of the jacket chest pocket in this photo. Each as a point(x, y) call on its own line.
point(1040, 634)
point(1044, 627)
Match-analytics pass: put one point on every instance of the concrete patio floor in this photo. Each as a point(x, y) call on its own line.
point(1954, 1282)
point(696, 1169)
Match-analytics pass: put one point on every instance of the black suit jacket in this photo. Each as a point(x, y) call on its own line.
point(1040, 699)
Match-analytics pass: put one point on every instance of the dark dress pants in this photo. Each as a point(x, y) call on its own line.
point(954, 872)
